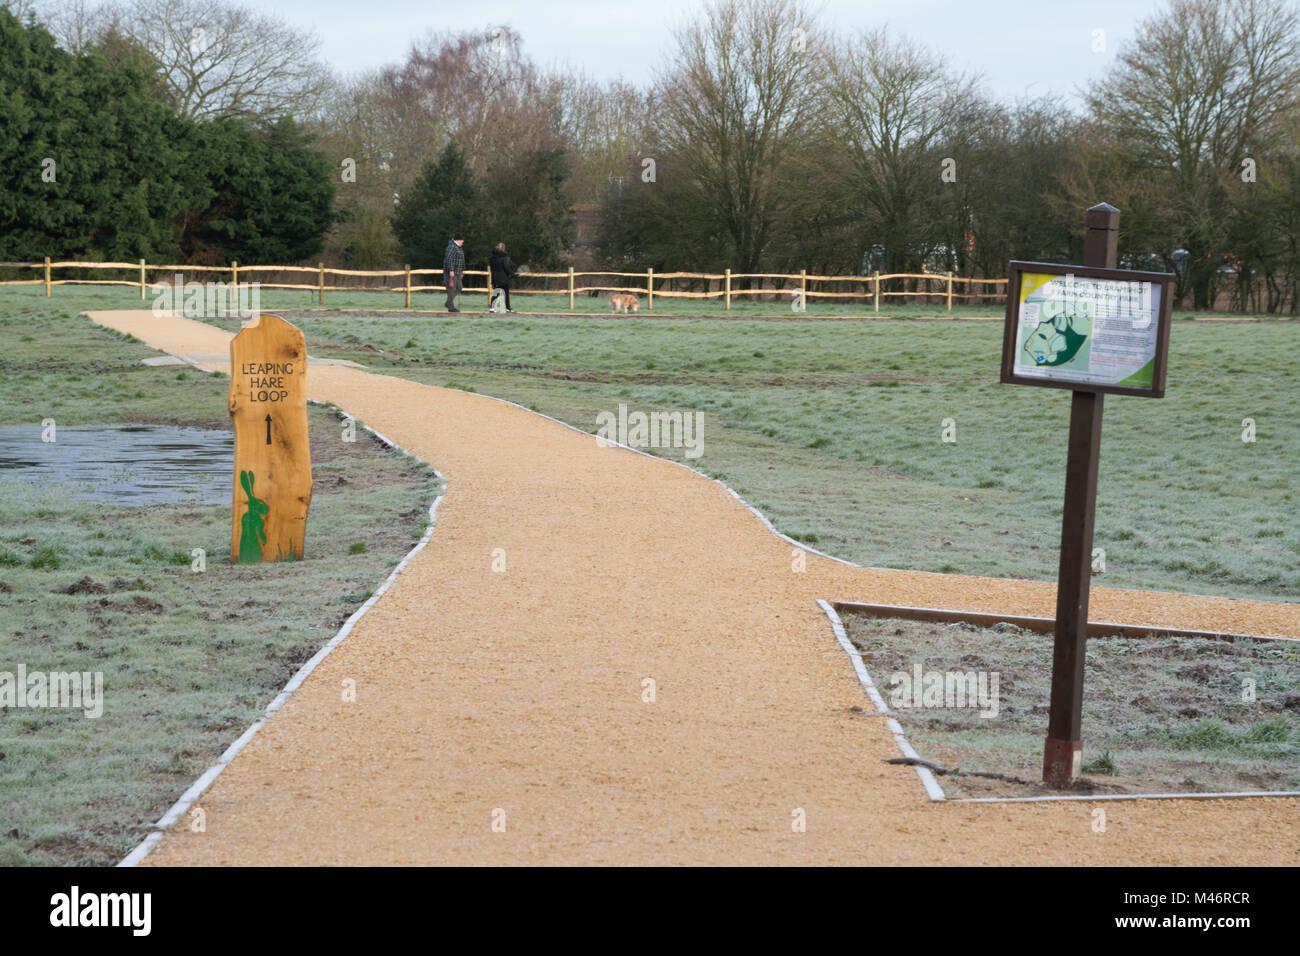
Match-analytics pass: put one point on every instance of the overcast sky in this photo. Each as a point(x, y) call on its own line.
point(1018, 45)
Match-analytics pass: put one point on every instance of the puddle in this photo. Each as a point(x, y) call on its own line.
point(128, 465)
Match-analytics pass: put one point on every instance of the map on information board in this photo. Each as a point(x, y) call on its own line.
point(1077, 329)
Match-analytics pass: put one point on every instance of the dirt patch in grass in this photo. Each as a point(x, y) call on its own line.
point(1160, 715)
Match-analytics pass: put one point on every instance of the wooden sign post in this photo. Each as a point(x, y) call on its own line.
point(1093, 329)
point(268, 406)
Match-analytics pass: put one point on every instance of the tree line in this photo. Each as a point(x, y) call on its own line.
point(779, 145)
point(766, 141)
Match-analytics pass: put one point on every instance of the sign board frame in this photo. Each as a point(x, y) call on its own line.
point(1016, 270)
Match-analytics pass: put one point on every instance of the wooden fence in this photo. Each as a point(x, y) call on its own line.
point(936, 285)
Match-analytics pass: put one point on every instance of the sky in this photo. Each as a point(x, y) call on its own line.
point(1021, 47)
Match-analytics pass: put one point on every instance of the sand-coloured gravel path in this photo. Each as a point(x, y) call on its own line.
point(516, 696)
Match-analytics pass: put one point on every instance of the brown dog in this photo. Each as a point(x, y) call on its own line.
point(623, 302)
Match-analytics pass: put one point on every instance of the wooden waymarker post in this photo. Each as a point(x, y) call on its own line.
point(1054, 315)
point(268, 407)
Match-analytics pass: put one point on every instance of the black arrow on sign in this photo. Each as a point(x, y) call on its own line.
point(268, 429)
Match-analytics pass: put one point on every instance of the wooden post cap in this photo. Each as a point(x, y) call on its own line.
point(1103, 216)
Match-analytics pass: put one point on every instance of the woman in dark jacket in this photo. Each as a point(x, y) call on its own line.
point(503, 270)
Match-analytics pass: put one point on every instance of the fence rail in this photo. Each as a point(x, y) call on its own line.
point(782, 284)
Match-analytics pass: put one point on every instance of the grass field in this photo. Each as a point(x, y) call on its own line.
point(771, 305)
point(188, 659)
point(1161, 715)
point(835, 431)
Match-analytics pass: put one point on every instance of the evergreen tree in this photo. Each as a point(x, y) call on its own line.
point(444, 200)
point(256, 196)
point(527, 209)
point(100, 168)
point(92, 158)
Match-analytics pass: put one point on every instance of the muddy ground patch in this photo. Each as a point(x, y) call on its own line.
point(1160, 715)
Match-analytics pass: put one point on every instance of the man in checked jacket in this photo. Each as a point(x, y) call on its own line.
point(453, 270)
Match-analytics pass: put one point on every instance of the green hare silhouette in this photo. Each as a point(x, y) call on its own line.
point(252, 535)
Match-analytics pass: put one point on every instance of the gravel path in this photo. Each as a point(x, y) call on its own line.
point(522, 691)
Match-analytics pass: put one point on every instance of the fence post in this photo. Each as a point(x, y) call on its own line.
point(47, 277)
point(570, 288)
point(320, 285)
point(650, 287)
point(487, 281)
point(408, 285)
point(949, 291)
point(141, 280)
point(803, 288)
point(877, 288)
point(234, 275)
point(726, 295)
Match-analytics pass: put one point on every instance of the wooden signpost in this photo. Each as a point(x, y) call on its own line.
point(1093, 329)
point(268, 406)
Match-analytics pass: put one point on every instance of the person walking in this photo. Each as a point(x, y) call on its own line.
point(453, 270)
point(503, 270)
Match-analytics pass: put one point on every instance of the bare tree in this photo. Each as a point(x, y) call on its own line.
point(738, 94)
point(892, 103)
point(476, 88)
point(76, 24)
point(1204, 86)
point(357, 130)
point(214, 59)
point(605, 125)
point(22, 9)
